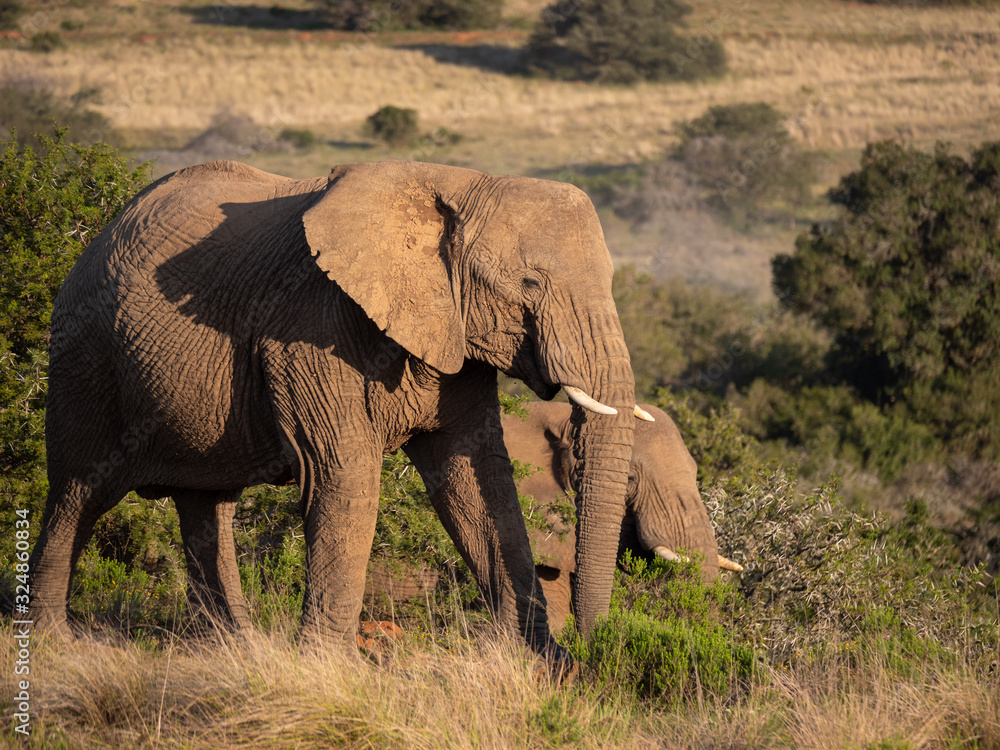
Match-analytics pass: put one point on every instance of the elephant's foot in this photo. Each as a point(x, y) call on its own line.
point(208, 614)
point(48, 623)
point(556, 666)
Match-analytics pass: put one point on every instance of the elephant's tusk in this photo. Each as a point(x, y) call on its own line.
point(580, 398)
point(726, 564)
point(668, 554)
point(642, 414)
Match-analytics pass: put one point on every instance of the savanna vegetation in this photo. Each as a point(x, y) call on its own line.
point(844, 425)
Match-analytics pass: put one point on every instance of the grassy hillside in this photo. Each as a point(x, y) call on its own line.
point(846, 73)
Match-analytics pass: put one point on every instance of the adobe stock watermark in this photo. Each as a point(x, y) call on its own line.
point(22, 628)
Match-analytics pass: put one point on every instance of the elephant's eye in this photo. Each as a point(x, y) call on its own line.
point(532, 286)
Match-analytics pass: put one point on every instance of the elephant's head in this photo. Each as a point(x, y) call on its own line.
point(664, 512)
point(455, 264)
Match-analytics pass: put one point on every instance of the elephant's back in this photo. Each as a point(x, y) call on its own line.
point(171, 292)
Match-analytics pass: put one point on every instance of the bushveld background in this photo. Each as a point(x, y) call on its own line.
point(803, 201)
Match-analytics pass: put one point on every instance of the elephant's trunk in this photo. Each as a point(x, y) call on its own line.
point(602, 447)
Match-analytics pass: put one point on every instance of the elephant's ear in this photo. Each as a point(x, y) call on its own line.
point(384, 232)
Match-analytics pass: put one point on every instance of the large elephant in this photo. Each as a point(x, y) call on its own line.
point(233, 327)
point(664, 511)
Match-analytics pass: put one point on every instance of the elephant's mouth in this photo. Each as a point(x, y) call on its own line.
point(526, 369)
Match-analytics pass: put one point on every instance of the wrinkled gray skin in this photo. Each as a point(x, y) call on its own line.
point(663, 505)
point(233, 327)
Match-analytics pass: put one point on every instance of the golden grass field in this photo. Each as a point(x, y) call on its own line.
point(845, 73)
point(261, 690)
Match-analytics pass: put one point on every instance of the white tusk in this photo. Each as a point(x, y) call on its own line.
point(580, 398)
point(642, 414)
point(668, 554)
point(726, 564)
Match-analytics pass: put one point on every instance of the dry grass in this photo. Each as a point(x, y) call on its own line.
point(262, 691)
point(876, 72)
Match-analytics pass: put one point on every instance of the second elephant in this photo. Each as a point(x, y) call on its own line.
point(664, 512)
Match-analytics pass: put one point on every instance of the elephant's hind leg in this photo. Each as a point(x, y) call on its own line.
point(72, 509)
point(213, 593)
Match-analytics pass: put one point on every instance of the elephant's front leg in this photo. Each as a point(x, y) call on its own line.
point(340, 508)
point(470, 482)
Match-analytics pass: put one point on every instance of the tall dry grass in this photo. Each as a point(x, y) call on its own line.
point(264, 691)
point(261, 690)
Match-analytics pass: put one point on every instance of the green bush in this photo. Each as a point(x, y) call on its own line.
point(304, 139)
point(716, 439)
point(662, 641)
point(52, 202)
point(10, 13)
point(834, 421)
point(690, 335)
point(373, 16)
point(396, 126)
point(111, 593)
point(622, 41)
point(46, 41)
point(744, 158)
point(816, 573)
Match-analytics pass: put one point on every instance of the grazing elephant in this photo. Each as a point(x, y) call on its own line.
point(664, 511)
point(233, 327)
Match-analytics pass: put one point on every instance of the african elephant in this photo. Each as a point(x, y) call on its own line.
point(664, 511)
point(233, 327)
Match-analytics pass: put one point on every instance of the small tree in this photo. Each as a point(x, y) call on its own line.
point(10, 13)
point(622, 41)
point(744, 157)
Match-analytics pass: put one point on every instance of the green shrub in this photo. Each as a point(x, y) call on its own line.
point(115, 594)
point(10, 13)
point(396, 126)
point(716, 439)
point(46, 41)
point(304, 139)
point(834, 421)
point(661, 641)
point(52, 202)
point(373, 16)
point(696, 336)
point(744, 158)
point(622, 41)
point(816, 573)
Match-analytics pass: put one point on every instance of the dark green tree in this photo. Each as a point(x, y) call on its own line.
point(907, 279)
point(622, 41)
